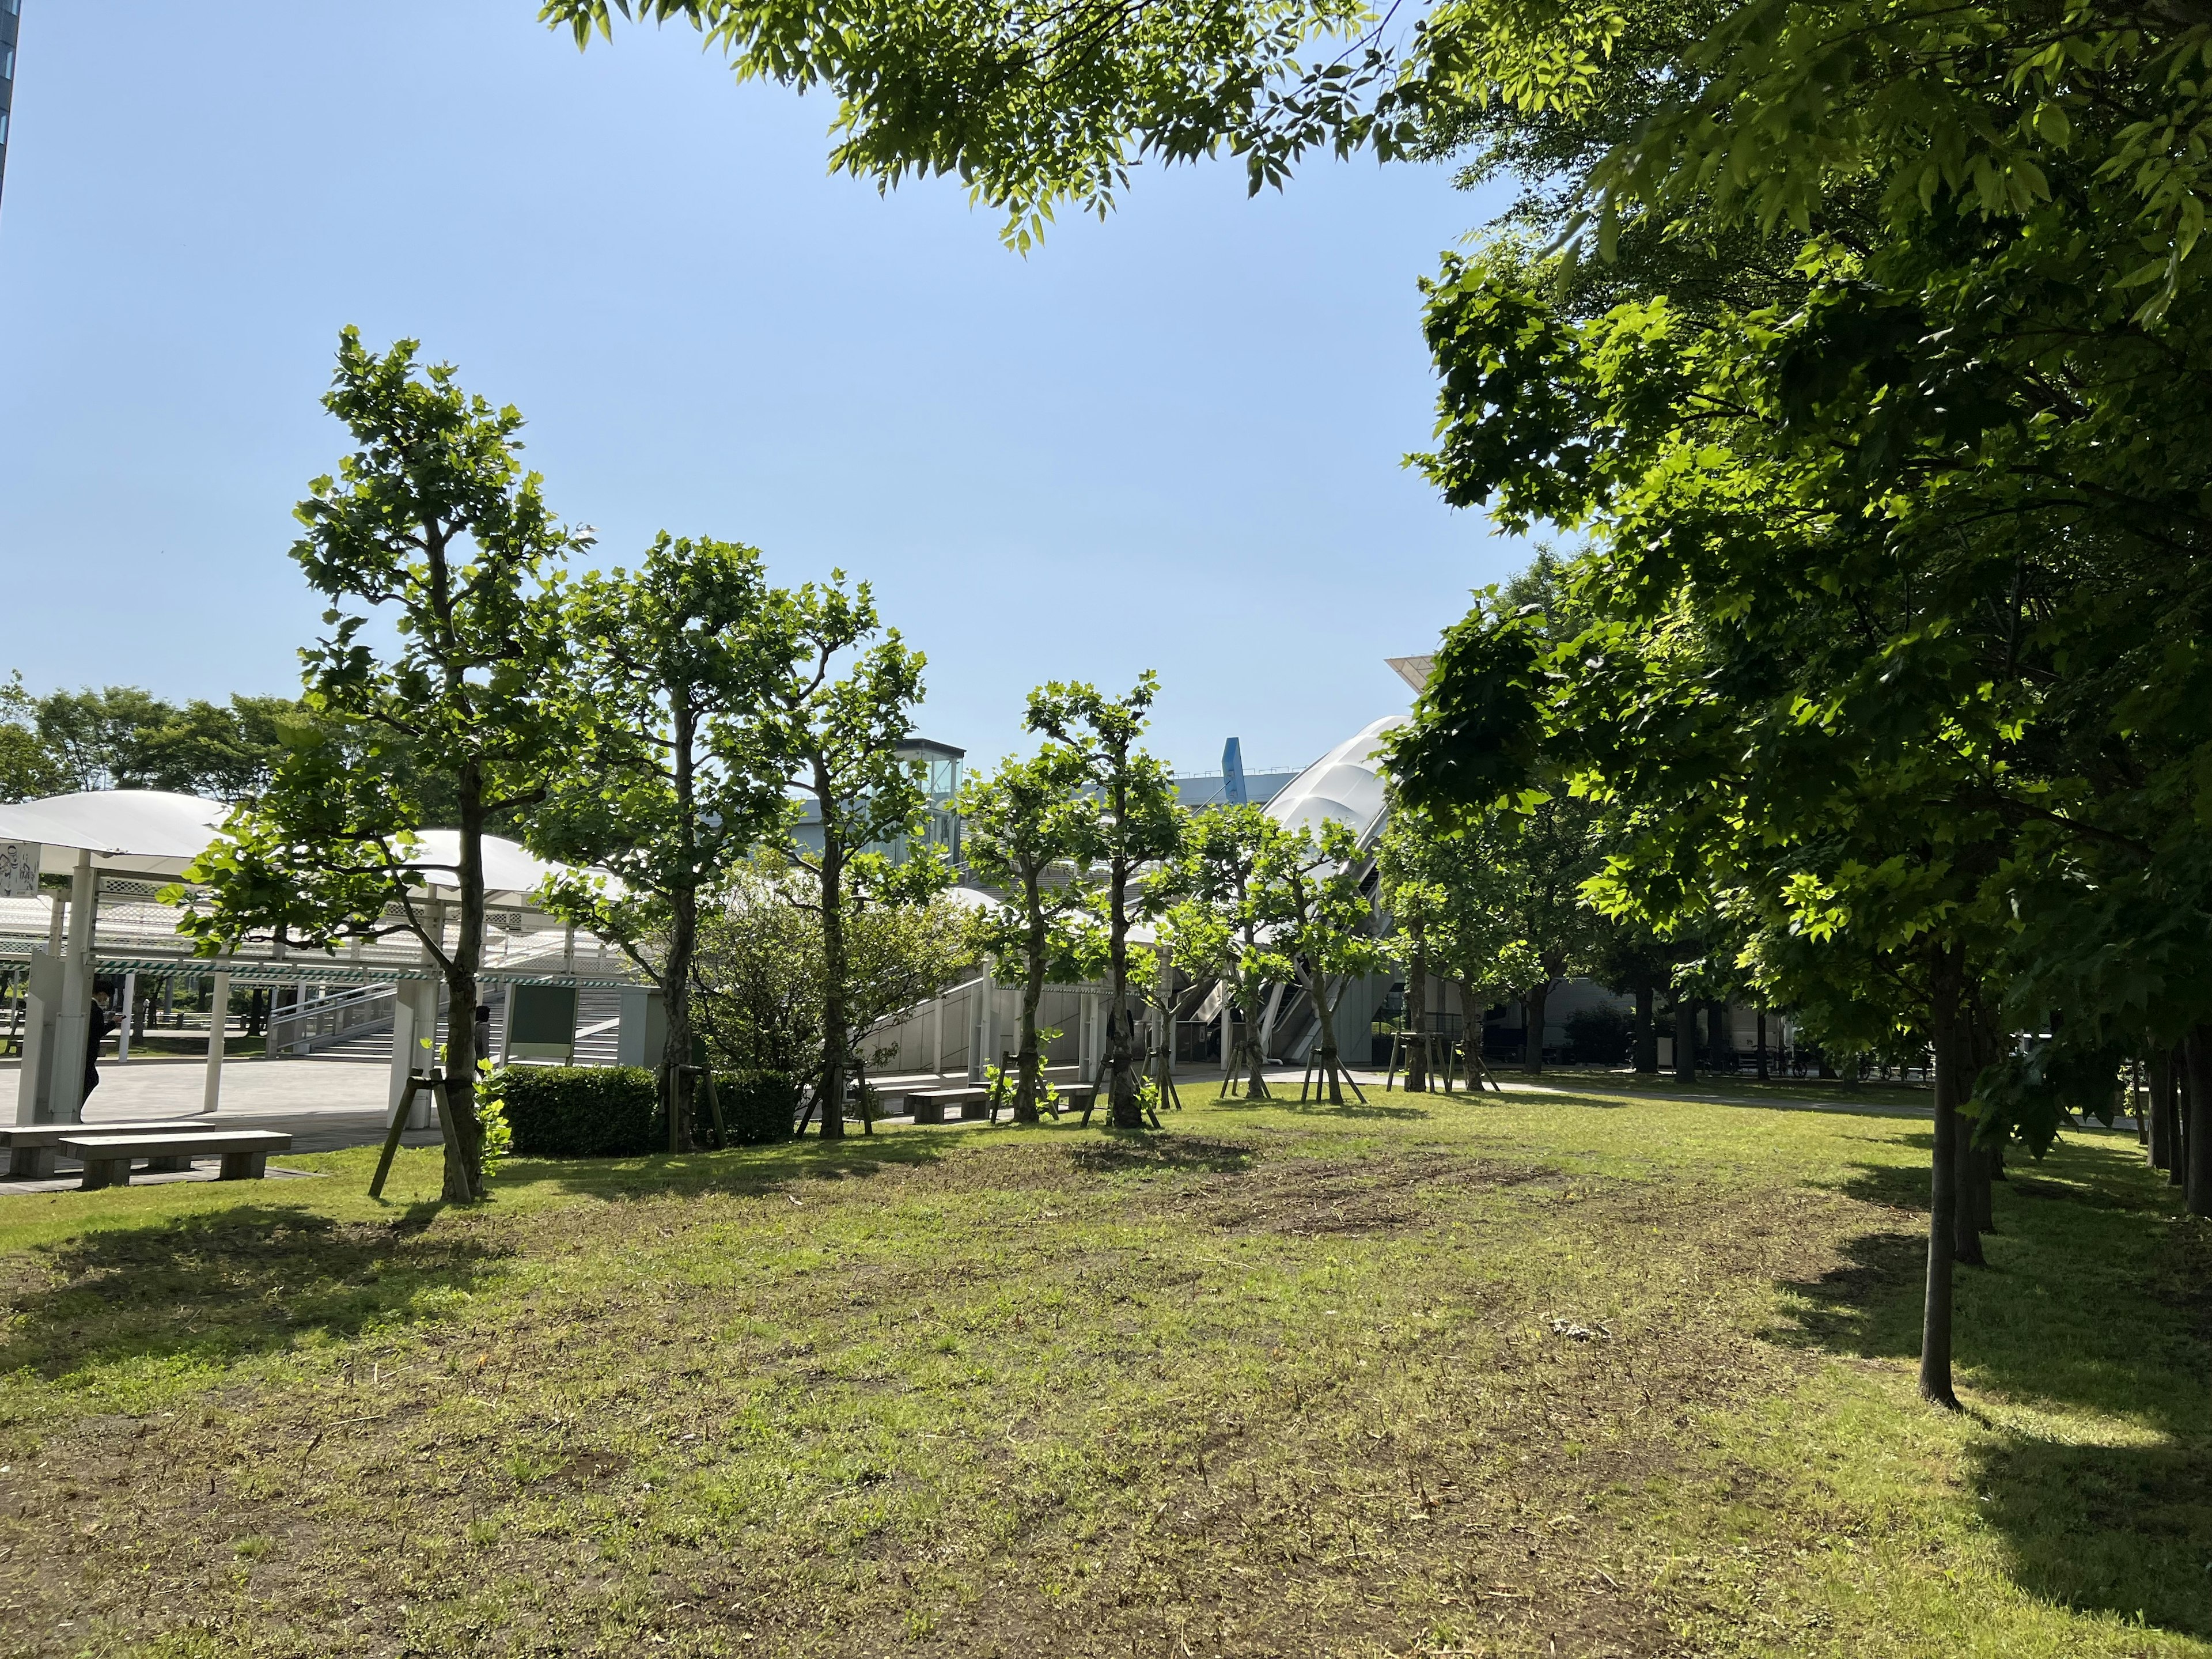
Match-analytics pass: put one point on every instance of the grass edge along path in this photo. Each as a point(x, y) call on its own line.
point(1569, 1373)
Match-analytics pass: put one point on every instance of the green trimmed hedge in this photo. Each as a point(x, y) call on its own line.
point(611, 1111)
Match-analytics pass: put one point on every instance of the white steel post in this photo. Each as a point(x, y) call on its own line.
point(76, 1019)
point(129, 1008)
point(218, 1025)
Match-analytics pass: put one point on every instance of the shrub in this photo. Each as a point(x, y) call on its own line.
point(613, 1111)
point(581, 1111)
point(758, 1107)
point(1599, 1036)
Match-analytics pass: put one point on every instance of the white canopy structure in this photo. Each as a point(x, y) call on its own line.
point(119, 848)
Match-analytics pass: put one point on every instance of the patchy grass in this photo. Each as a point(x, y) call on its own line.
point(1597, 1373)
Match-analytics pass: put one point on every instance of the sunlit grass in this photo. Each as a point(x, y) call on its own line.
point(1279, 1380)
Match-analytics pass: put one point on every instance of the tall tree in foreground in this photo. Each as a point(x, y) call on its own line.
point(665, 793)
point(1139, 824)
point(836, 735)
point(433, 523)
point(1030, 831)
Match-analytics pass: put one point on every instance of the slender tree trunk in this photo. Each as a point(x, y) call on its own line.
point(1763, 1072)
point(1029, 1092)
point(2162, 1110)
point(1417, 1019)
point(1685, 1039)
point(1532, 1016)
point(1125, 1109)
point(1647, 1033)
point(675, 1004)
point(2176, 1172)
point(464, 1139)
point(1943, 1187)
point(2197, 1134)
point(834, 1039)
point(683, 936)
point(1470, 1032)
point(1965, 1229)
point(1317, 989)
point(1254, 1053)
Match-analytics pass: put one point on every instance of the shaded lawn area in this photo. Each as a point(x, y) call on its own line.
point(1519, 1377)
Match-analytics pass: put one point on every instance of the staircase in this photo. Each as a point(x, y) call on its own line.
point(599, 1015)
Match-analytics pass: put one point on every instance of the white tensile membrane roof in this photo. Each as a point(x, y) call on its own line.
point(140, 838)
point(150, 834)
point(1345, 786)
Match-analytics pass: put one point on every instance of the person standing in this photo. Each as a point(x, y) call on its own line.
point(97, 1030)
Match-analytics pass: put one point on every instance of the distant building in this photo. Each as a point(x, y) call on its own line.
point(938, 765)
point(10, 19)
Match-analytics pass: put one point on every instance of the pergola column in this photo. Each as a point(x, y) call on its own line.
point(218, 1028)
point(75, 1018)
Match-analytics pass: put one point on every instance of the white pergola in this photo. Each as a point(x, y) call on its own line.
point(133, 841)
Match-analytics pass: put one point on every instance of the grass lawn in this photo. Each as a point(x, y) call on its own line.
point(1574, 1374)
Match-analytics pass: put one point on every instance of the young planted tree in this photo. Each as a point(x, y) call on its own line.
point(433, 523)
point(836, 737)
point(1139, 824)
point(1320, 923)
point(665, 794)
point(1220, 927)
point(1031, 831)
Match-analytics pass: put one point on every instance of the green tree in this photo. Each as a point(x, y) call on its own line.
point(1139, 825)
point(1220, 923)
point(28, 770)
point(670, 673)
point(1031, 831)
point(1320, 923)
point(760, 975)
point(836, 737)
point(432, 521)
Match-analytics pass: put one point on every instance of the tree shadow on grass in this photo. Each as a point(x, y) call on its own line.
point(2097, 1297)
point(1348, 1107)
point(217, 1286)
point(742, 1171)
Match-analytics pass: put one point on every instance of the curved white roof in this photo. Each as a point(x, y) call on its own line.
point(1345, 786)
point(147, 832)
point(150, 833)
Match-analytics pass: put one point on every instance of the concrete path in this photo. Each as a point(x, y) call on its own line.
point(324, 1105)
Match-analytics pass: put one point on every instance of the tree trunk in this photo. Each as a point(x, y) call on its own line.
point(675, 1004)
point(1647, 1033)
point(1965, 1220)
point(464, 1139)
point(1317, 989)
point(1763, 1072)
point(1470, 1033)
point(1685, 1039)
point(1029, 1092)
point(1532, 1017)
point(1719, 1047)
point(1417, 1019)
point(2196, 1132)
point(2176, 1173)
point(1125, 1109)
point(2162, 1110)
point(1943, 1188)
point(834, 1037)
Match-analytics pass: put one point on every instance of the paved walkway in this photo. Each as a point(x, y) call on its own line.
point(324, 1105)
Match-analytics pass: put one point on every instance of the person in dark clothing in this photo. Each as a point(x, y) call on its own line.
point(96, 1032)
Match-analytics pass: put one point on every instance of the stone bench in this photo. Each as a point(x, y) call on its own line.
point(927, 1105)
point(107, 1157)
point(31, 1146)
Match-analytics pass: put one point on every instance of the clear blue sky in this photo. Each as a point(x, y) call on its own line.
point(1171, 440)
